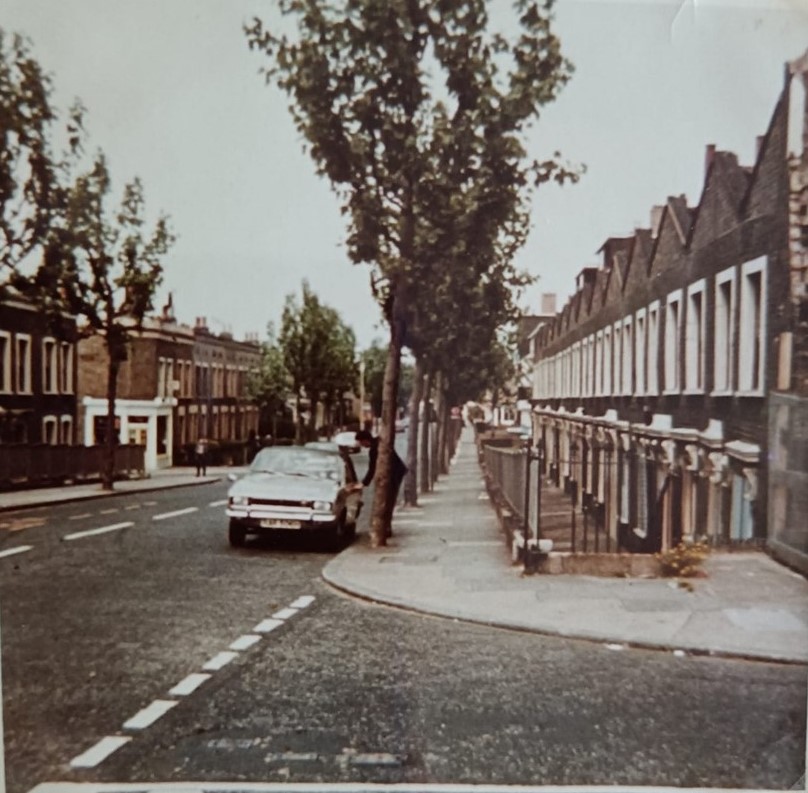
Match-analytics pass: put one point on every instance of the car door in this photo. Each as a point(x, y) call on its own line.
point(353, 489)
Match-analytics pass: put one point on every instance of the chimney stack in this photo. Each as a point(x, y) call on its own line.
point(548, 303)
point(708, 156)
point(656, 219)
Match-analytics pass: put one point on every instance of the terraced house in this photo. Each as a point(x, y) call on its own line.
point(652, 387)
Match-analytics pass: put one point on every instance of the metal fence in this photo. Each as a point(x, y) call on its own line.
point(36, 465)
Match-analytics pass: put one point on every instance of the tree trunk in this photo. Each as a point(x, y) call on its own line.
point(446, 442)
point(379, 518)
point(411, 481)
point(433, 464)
point(108, 472)
point(426, 482)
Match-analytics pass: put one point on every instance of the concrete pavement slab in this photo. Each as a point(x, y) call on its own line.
point(449, 558)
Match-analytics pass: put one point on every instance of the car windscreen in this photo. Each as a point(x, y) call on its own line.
point(298, 462)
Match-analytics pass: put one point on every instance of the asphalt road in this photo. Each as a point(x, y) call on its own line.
point(98, 627)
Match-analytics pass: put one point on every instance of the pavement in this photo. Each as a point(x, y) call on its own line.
point(449, 557)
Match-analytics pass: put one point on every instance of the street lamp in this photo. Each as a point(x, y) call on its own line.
point(573, 485)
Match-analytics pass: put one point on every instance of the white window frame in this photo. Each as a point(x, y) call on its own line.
point(672, 342)
point(50, 365)
point(598, 373)
point(639, 352)
point(6, 372)
point(608, 350)
point(750, 337)
point(66, 367)
point(66, 430)
point(695, 338)
point(50, 421)
point(628, 355)
point(652, 349)
point(617, 358)
point(24, 387)
point(724, 334)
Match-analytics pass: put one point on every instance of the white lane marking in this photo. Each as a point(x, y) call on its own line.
point(150, 503)
point(175, 513)
point(146, 717)
point(218, 503)
point(189, 685)
point(304, 601)
point(16, 550)
point(133, 506)
point(267, 625)
point(108, 511)
point(81, 517)
point(76, 535)
point(103, 749)
point(220, 660)
point(616, 647)
point(245, 642)
point(284, 614)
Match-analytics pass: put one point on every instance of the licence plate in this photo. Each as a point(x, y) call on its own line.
point(272, 523)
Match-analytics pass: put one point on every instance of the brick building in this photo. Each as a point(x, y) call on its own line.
point(178, 384)
point(37, 375)
point(652, 385)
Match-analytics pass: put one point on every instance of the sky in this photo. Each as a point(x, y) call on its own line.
point(174, 96)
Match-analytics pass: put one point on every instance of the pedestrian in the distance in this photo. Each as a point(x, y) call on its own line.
point(398, 470)
point(201, 456)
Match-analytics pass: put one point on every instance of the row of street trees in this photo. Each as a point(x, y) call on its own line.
point(417, 112)
point(64, 243)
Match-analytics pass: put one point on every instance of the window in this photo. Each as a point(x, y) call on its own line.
point(672, 351)
point(607, 362)
point(652, 346)
point(5, 362)
point(50, 433)
point(752, 331)
point(66, 430)
point(66, 373)
point(628, 356)
point(50, 367)
point(724, 338)
point(23, 364)
point(617, 359)
point(639, 352)
point(599, 363)
point(694, 338)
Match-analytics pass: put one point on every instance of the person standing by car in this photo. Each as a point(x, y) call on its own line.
point(201, 456)
point(398, 470)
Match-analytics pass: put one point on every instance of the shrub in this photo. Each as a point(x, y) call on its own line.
point(683, 561)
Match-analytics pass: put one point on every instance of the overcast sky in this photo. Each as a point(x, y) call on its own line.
point(174, 97)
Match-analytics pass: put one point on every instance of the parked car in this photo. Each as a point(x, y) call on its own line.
point(292, 489)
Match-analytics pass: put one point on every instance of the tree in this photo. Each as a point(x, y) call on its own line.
point(375, 358)
point(269, 386)
point(318, 353)
point(105, 270)
point(31, 194)
point(384, 91)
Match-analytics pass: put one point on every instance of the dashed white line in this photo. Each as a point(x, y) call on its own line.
point(220, 660)
point(284, 614)
point(108, 511)
point(220, 503)
point(103, 749)
point(189, 685)
point(132, 506)
point(146, 717)
point(16, 550)
point(245, 642)
point(175, 513)
point(92, 532)
point(81, 517)
point(267, 625)
point(304, 601)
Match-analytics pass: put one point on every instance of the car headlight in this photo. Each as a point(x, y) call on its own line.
point(239, 501)
point(322, 506)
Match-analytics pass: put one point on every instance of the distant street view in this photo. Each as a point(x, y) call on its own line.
point(499, 513)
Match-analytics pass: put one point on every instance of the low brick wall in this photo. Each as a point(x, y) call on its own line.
point(615, 565)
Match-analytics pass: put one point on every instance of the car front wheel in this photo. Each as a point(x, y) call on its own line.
point(237, 534)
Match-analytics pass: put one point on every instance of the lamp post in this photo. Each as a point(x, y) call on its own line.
point(574, 485)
